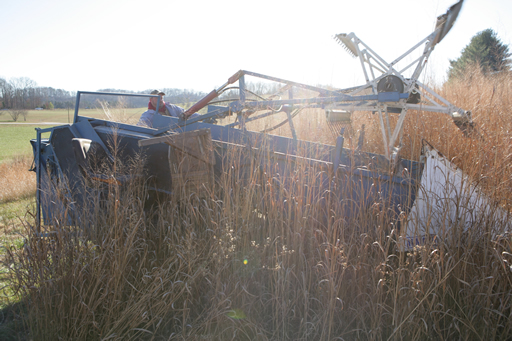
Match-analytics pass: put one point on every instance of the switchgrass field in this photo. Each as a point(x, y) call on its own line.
point(255, 261)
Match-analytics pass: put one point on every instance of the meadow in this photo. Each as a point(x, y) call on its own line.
point(66, 116)
point(238, 264)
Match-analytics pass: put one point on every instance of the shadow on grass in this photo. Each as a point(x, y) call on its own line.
point(11, 322)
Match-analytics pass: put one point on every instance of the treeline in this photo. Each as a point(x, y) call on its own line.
point(254, 90)
point(179, 96)
point(23, 93)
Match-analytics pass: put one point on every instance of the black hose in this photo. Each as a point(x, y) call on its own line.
point(297, 111)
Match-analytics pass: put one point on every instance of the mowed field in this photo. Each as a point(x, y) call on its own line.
point(66, 116)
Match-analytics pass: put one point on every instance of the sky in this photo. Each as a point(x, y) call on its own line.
point(197, 45)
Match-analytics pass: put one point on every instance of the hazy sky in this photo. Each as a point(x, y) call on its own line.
point(187, 44)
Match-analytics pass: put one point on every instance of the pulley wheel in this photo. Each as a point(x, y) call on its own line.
point(390, 83)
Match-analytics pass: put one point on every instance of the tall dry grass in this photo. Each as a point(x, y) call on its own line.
point(16, 182)
point(265, 257)
point(485, 153)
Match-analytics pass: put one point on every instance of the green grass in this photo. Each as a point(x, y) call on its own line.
point(15, 209)
point(15, 140)
point(11, 214)
point(37, 116)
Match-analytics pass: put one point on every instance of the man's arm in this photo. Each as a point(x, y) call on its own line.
point(174, 110)
point(146, 119)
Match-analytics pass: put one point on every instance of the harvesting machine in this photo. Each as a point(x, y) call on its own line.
point(72, 151)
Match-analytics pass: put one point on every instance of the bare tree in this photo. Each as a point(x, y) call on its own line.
point(16, 113)
point(21, 89)
point(6, 93)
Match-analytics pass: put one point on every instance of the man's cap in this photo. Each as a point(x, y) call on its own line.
point(157, 92)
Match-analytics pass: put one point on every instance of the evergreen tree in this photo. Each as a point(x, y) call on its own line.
point(486, 51)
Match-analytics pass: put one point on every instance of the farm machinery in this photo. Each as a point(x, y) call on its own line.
point(192, 150)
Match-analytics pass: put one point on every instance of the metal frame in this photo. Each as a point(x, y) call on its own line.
point(352, 99)
point(375, 69)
